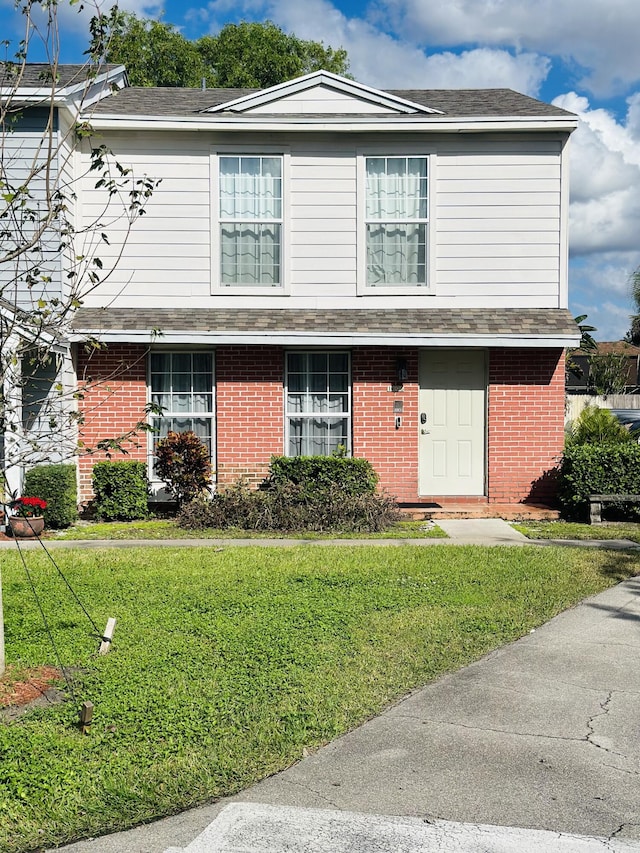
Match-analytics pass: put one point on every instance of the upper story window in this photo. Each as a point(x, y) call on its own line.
point(397, 221)
point(250, 189)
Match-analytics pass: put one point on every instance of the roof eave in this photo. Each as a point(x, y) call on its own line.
point(293, 338)
point(443, 124)
point(61, 94)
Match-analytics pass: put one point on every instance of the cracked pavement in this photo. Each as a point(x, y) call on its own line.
point(543, 735)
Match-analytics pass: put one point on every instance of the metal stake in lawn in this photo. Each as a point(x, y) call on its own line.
point(107, 636)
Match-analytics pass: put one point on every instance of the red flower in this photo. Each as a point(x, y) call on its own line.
point(28, 507)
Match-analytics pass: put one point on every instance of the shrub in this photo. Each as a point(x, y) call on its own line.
point(57, 485)
point(182, 461)
point(319, 474)
point(597, 426)
point(288, 507)
point(592, 469)
point(120, 490)
point(235, 506)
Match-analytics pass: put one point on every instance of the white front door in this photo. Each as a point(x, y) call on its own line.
point(452, 422)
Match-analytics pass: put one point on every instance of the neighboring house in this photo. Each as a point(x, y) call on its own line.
point(619, 360)
point(39, 108)
point(324, 265)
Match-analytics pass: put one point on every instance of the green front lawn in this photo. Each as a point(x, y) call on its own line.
point(573, 530)
point(168, 529)
point(226, 664)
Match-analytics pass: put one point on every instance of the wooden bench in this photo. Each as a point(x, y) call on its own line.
point(596, 502)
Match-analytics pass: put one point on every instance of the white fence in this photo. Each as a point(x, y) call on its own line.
point(575, 403)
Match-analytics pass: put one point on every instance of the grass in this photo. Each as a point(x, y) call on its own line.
point(167, 529)
point(227, 664)
point(574, 530)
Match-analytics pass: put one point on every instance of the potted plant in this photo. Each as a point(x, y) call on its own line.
point(27, 520)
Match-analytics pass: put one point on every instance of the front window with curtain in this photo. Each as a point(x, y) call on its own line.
point(397, 220)
point(318, 403)
point(250, 220)
point(182, 383)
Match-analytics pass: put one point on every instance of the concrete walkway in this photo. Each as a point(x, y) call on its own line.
point(542, 735)
point(470, 531)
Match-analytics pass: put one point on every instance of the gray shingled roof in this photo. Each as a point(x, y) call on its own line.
point(479, 102)
point(456, 321)
point(37, 75)
point(137, 101)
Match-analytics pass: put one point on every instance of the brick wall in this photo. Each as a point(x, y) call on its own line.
point(250, 411)
point(114, 384)
point(526, 423)
point(525, 415)
point(392, 452)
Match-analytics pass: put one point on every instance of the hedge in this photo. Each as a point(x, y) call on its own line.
point(120, 490)
point(285, 508)
point(57, 485)
point(594, 469)
point(318, 474)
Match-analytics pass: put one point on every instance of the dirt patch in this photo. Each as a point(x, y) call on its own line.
point(23, 689)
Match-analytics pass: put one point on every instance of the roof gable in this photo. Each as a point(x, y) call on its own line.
point(319, 93)
point(41, 82)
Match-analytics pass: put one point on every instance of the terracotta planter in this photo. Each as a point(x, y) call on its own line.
point(26, 528)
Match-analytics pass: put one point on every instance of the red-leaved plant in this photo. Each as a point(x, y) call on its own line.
point(28, 507)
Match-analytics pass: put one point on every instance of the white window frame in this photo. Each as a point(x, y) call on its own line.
point(211, 416)
point(217, 288)
point(288, 416)
point(363, 286)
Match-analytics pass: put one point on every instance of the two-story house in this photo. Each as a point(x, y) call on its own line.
point(325, 264)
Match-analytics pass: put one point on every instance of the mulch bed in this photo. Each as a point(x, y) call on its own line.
point(23, 689)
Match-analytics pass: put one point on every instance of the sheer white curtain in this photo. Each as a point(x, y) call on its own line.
point(250, 215)
point(396, 220)
point(182, 384)
point(318, 402)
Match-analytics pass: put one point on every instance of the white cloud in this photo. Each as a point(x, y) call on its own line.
point(486, 68)
point(600, 287)
point(601, 36)
point(605, 178)
point(75, 18)
point(604, 232)
point(381, 60)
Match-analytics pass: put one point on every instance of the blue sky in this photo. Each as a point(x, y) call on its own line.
point(580, 54)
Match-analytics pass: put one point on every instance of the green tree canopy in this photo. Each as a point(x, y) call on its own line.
point(251, 55)
point(262, 55)
point(154, 53)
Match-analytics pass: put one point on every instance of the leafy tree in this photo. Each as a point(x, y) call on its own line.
point(259, 55)
point(587, 341)
point(587, 346)
point(608, 373)
point(245, 55)
point(154, 53)
point(633, 335)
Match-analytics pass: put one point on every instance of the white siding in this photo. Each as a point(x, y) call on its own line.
point(24, 147)
point(167, 250)
point(497, 221)
point(319, 99)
